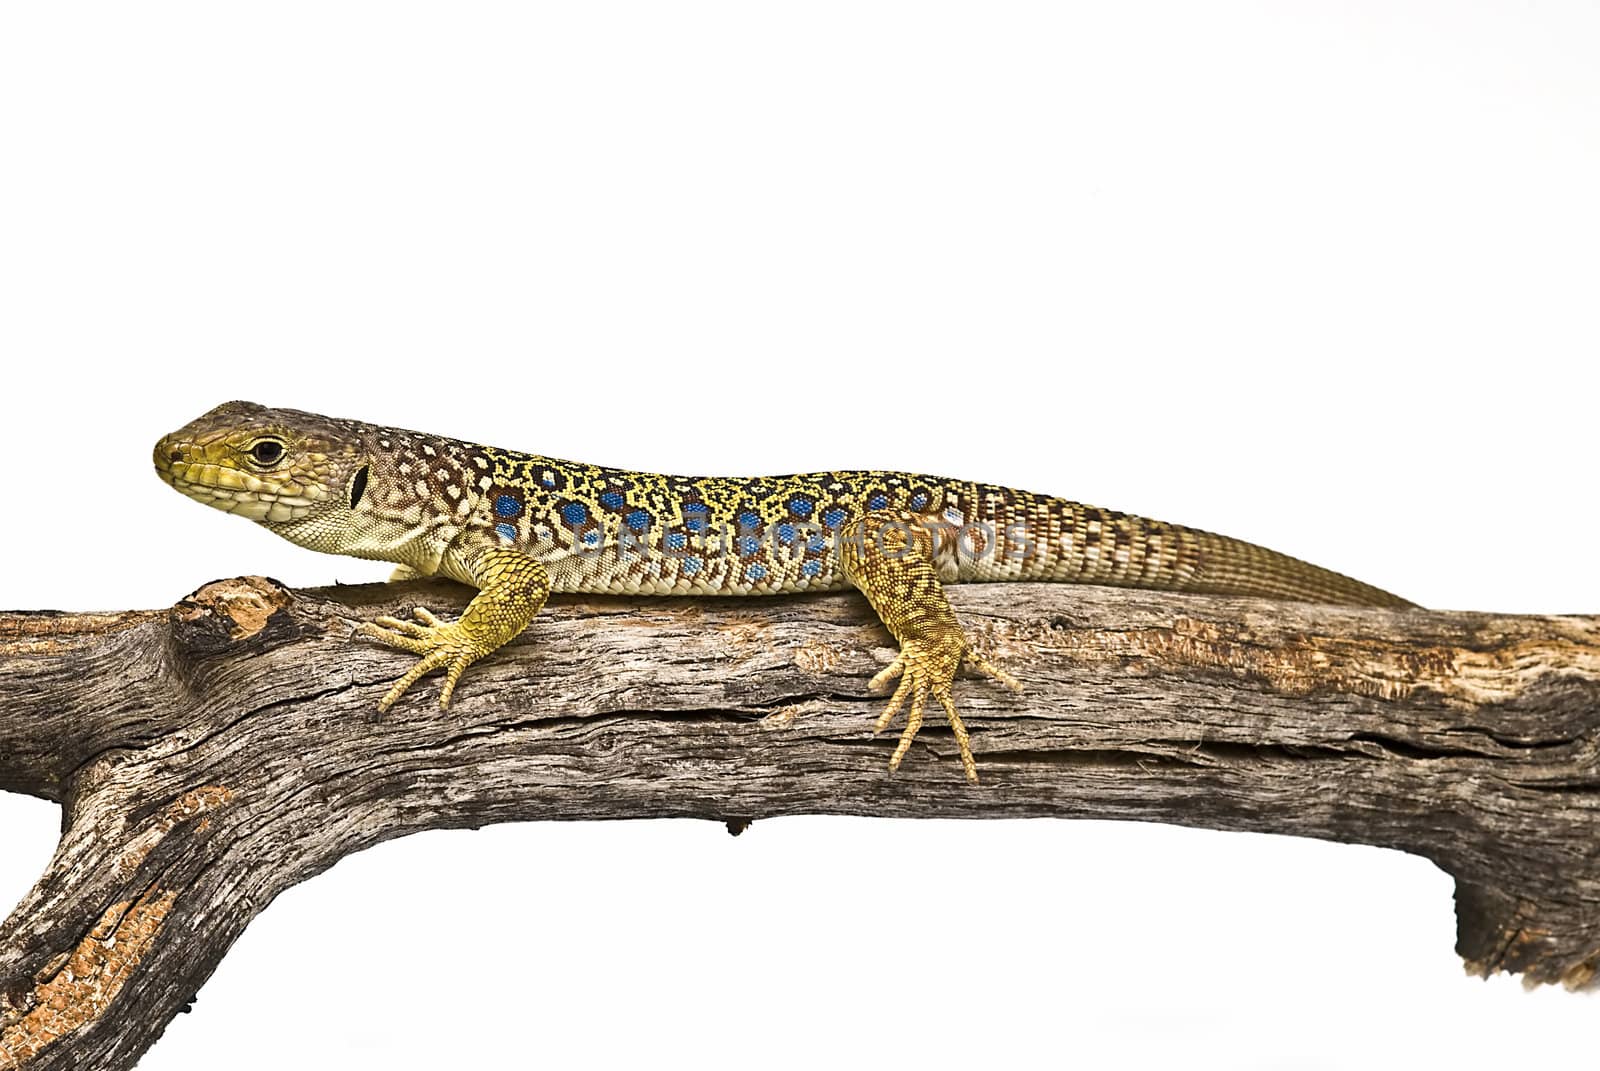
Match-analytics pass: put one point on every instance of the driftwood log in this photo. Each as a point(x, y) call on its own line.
point(210, 756)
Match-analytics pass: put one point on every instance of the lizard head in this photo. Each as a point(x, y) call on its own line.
point(285, 469)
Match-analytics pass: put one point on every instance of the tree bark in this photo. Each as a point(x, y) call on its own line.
point(209, 757)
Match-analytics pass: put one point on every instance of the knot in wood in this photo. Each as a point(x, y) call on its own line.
point(226, 613)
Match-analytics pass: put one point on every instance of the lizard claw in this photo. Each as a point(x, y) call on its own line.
point(410, 628)
point(441, 645)
point(926, 670)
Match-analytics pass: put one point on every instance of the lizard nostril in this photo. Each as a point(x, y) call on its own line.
point(175, 454)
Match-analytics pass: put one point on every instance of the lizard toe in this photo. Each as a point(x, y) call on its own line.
point(441, 645)
point(927, 670)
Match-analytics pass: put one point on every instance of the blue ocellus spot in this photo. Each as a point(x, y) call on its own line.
point(574, 513)
point(810, 568)
point(747, 519)
point(755, 571)
point(506, 506)
point(691, 566)
point(749, 544)
point(505, 531)
point(878, 501)
point(786, 532)
point(612, 500)
point(800, 506)
point(676, 540)
point(833, 517)
point(638, 520)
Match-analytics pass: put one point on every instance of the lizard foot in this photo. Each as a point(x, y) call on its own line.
point(442, 644)
point(927, 669)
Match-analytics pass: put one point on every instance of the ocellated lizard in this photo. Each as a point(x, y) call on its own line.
point(519, 526)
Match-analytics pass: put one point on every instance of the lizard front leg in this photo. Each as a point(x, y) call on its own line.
point(512, 588)
point(889, 556)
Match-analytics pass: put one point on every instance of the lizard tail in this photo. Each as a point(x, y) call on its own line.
point(1088, 545)
point(1227, 566)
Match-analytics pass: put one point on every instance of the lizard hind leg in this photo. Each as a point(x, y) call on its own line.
point(889, 556)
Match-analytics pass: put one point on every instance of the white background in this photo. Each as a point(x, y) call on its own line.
point(1322, 276)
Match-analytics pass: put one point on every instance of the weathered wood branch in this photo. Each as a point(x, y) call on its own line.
point(209, 757)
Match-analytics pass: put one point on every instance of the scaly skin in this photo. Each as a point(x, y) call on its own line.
point(519, 526)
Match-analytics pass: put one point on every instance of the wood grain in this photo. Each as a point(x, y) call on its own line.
point(209, 757)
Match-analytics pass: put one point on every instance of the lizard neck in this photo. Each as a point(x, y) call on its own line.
point(409, 502)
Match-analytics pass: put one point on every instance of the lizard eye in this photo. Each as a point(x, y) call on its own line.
point(266, 452)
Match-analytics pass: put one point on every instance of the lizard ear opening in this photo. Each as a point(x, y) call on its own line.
point(358, 486)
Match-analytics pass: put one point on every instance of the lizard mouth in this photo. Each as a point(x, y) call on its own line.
point(182, 466)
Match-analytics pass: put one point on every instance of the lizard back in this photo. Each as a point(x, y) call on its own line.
point(615, 530)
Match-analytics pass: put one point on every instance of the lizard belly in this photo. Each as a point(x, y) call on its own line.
point(622, 571)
